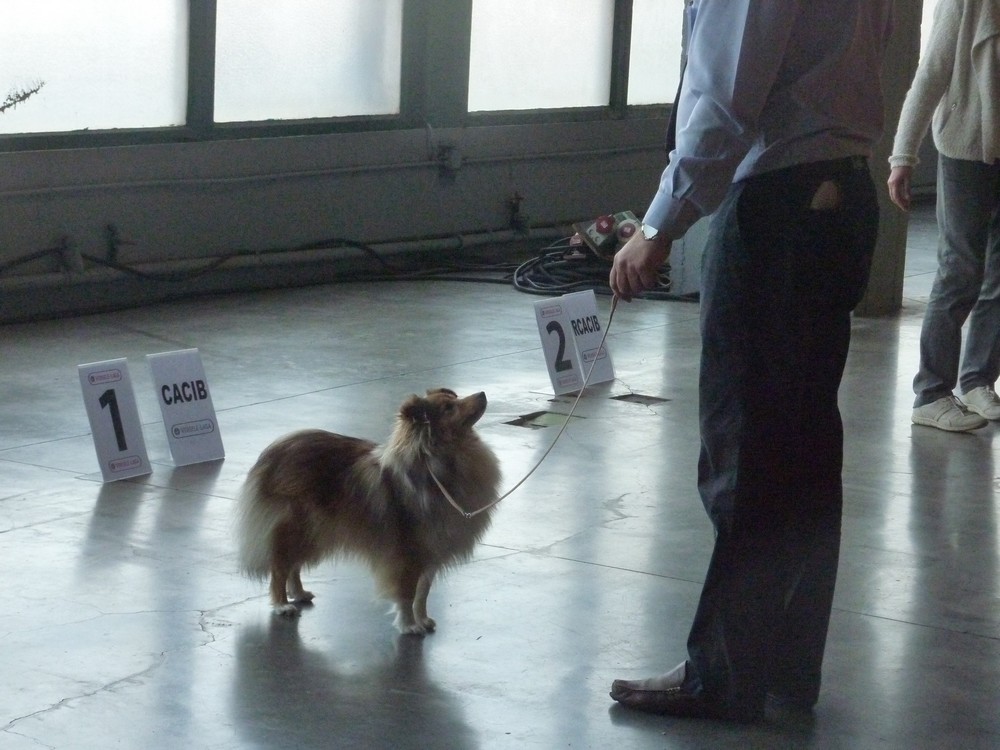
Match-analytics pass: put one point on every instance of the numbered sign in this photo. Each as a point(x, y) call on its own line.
point(114, 419)
point(186, 405)
point(571, 334)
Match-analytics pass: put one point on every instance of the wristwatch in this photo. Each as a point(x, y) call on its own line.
point(649, 232)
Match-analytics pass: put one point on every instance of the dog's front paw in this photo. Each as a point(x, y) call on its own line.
point(408, 625)
point(414, 629)
point(424, 626)
point(301, 597)
point(286, 610)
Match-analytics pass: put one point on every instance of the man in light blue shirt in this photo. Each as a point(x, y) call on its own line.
point(779, 110)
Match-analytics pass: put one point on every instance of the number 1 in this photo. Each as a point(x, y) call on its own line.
point(109, 399)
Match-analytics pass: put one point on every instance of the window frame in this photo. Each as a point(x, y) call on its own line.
point(434, 88)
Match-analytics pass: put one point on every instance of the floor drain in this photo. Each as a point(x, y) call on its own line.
point(638, 398)
point(538, 420)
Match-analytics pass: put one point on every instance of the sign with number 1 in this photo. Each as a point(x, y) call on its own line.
point(114, 419)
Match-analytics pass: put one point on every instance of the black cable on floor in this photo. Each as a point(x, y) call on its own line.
point(564, 267)
point(559, 268)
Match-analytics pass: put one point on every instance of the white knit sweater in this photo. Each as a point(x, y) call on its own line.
point(957, 84)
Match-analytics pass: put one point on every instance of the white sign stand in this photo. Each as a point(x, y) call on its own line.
point(186, 405)
point(114, 419)
point(571, 336)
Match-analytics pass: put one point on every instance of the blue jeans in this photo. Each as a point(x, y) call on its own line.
point(967, 285)
point(779, 281)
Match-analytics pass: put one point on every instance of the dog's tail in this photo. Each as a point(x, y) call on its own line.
point(256, 520)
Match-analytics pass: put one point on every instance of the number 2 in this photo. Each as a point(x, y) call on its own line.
point(562, 364)
point(109, 399)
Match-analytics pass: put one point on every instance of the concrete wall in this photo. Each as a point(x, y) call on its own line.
point(175, 203)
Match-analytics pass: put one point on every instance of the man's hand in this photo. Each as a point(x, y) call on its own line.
point(899, 186)
point(636, 266)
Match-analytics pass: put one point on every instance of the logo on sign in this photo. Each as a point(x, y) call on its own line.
point(190, 429)
point(107, 376)
point(124, 464)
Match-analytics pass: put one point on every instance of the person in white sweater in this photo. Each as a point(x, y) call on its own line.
point(957, 90)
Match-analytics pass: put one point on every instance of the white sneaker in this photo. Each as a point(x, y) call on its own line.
point(948, 413)
point(983, 401)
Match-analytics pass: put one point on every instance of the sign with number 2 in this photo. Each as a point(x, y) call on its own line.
point(571, 340)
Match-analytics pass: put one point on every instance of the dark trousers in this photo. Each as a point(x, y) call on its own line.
point(779, 281)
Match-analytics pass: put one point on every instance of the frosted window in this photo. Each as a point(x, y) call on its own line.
point(297, 59)
point(655, 55)
point(105, 63)
point(540, 54)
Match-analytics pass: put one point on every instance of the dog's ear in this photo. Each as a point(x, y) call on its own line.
point(414, 409)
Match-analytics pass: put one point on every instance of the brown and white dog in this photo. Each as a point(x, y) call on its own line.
point(314, 494)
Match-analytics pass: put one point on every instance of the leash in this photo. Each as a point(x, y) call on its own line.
point(586, 380)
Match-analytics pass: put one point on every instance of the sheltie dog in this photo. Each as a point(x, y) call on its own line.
point(313, 495)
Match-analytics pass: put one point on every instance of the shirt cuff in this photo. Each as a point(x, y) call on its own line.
point(671, 216)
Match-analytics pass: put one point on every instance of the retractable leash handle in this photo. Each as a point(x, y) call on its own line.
point(586, 380)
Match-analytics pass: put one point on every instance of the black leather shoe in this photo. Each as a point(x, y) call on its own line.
point(675, 694)
point(674, 701)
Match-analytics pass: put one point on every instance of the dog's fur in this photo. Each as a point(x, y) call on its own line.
point(314, 494)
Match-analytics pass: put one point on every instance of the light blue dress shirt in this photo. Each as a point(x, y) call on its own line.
point(770, 84)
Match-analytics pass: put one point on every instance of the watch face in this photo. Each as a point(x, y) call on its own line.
point(649, 232)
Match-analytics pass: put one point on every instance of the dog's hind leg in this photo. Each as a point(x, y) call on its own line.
point(279, 601)
point(284, 573)
point(294, 588)
point(420, 601)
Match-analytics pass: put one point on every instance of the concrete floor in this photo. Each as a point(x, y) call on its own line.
point(127, 624)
